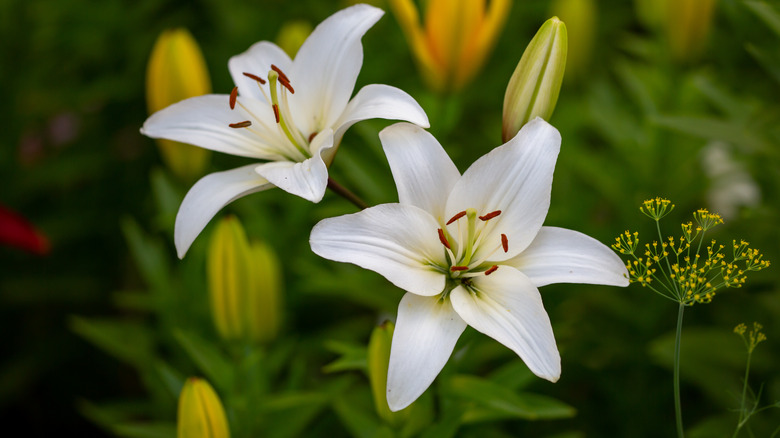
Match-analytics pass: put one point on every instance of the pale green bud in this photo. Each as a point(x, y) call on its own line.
point(201, 414)
point(378, 361)
point(533, 89)
point(580, 17)
point(244, 285)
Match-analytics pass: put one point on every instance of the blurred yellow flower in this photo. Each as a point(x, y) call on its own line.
point(177, 71)
point(244, 285)
point(201, 414)
point(687, 26)
point(292, 35)
point(453, 43)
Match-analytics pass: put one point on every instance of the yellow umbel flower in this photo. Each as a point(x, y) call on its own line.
point(201, 414)
point(453, 42)
point(177, 71)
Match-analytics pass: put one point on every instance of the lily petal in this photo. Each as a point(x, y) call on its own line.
point(327, 65)
point(203, 121)
point(397, 241)
point(257, 60)
point(423, 172)
point(515, 178)
point(307, 179)
point(426, 332)
point(507, 307)
point(208, 196)
point(558, 255)
point(378, 101)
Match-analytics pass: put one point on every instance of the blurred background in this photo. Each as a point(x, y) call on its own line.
point(102, 322)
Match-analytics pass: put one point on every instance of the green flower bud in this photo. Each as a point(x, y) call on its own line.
point(580, 17)
point(201, 414)
point(177, 71)
point(687, 27)
point(533, 89)
point(244, 285)
point(378, 361)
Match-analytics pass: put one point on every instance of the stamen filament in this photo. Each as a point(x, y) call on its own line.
point(471, 218)
point(273, 77)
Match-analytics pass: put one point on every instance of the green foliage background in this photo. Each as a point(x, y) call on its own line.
point(99, 334)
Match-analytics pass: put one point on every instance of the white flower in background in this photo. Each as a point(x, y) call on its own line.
point(290, 113)
point(731, 186)
point(469, 249)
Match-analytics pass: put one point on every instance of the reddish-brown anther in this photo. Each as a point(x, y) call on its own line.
point(456, 217)
point(276, 112)
point(233, 96)
point(286, 84)
point(491, 270)
point(504, 243)
point(257, 78)
point(282, 76)
point(311, 136)
point(490, 215)
point(443, 239)
point(459, 268)
point(244, 124)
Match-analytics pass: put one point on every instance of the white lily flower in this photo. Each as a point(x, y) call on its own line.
point(293, 119)
point(469, 249)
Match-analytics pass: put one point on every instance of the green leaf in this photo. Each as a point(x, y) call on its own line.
point(129, 341)
point(146, 430)
point(514, 375)
point(168, 199)
point(288, 415)
point(768, 60)
point(765, 12)
point(214, 364)
point(356, 412)
point(172, 379)
point(493, 401)
point(714, 129)
point(353, 357)
point(149, 254)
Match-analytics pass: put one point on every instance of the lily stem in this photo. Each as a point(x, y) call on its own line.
point(346, 194)
point(677, 407)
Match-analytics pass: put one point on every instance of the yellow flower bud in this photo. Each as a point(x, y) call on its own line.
point(244, 285)
point(201, 414)
point(453, 43)
point(533, 89)
point(177, 71)
point(687, 26)
point(378, 361)
point(580, 17)
point(292, 35)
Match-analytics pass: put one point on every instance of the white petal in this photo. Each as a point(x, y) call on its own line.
point(308, 179)
point(515, 178)
point(558, 255)
point(208, 196)
point(203, 121)
point(398, 241)
point(426, 332)
point(506, 306)
point(257, 60)
point(377, 101)
point(327, 65)
point(424, 174)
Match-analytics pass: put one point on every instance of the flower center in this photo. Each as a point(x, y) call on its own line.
point(294, 145)
point(462, 247)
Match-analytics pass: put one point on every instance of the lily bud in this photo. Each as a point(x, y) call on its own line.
point(455, 39)
point(244, 285)
point(687, 26)
point(177, 71)
point(533, 89)
point(292, 35)
point(580, 17)
point(378, 361)
point(201, 414)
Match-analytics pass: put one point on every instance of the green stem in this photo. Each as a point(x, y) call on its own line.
point(346, 194)
point(742, 417)
point(677, 407)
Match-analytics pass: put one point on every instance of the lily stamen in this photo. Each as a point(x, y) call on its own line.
point(490, 215)
point(459, 268)
point(443, 239)
point(257, 78)
point(233, 96)
point(244, 124)
point(492, 269)
point(504, 243)
point(456, 217)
